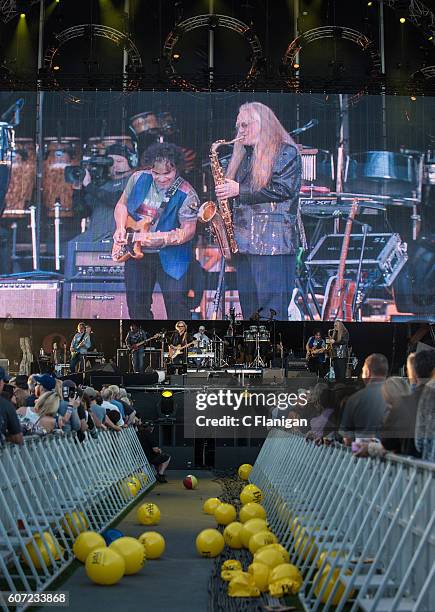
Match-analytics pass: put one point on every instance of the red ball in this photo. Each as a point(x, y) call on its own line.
point(190, 482)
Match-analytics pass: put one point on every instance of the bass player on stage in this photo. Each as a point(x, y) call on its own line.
point(316, 349)
point(135, 340)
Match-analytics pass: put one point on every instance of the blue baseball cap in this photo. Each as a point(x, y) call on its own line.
point(47, 381)
point(3, 375)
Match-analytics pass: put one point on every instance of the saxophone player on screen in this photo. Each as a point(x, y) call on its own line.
point(157, 213)
point(263, 178)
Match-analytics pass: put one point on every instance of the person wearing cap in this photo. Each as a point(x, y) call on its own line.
point(167, 207)
point(10, 428)
point(43, 383)
point(22, 392)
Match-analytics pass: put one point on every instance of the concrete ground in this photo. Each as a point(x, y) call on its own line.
point(175, 583)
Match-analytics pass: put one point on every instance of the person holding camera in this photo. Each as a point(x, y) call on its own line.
point(168, 206)
point(101, 182)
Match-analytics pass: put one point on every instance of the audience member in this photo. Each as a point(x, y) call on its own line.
point(40, 419)
point(21, 389)
point(154, 454)
point(10, 428)
point(364, 411)
point(425, 420)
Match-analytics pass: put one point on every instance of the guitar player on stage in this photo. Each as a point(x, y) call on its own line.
point(340, 346)
point(162, 208)
point(135, 341)
point(179, 344)
point(316, 349)
point(80, 345)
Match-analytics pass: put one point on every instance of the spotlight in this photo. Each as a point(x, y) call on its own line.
point(166, 407)
point(402, 20)
point(413, 98)
point(296, 66)
point(22, 15)
point(56, 67)
point(176, 56)
point(369, 3)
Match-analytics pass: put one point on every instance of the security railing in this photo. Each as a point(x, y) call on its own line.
point(360, 530)
point(52, 488)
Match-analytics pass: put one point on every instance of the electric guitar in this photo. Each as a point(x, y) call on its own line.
point(132, 248)
point(174, 351)
point(135, 347)
point(340, 292)
point(312, 352)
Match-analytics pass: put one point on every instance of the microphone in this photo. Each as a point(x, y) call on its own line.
point(312, 123)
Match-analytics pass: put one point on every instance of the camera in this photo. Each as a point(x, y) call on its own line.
point(97, 166)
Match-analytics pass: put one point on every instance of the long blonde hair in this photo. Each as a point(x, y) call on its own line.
point(47, 404)
point(273, 134)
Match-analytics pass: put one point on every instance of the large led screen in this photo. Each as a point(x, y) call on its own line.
point(164, 205)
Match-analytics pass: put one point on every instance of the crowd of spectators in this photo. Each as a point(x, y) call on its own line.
point(378, 414)
point(42, 404)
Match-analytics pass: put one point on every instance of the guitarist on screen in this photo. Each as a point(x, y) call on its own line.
point(316, 357)
point(155, 225)
point(135, 340)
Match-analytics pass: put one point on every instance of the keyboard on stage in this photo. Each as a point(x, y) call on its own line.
point(333, 203)
point(190, 355)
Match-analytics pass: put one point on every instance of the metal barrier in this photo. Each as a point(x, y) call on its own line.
point(360, 530)
point(52, 488)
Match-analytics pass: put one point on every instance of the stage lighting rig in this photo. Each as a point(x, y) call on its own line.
point(418, 13)
point(11, 8)
point(212, 22)
point(294, 55)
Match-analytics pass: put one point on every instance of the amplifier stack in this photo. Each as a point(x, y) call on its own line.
point(94, 284)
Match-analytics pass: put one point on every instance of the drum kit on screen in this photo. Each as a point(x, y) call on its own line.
point(18, 156)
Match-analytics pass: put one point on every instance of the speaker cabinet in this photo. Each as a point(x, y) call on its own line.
point(97, 380)
point(94, 301)
point(137, 380)
point(24, 299)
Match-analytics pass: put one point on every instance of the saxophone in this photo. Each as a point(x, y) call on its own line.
point(219, 214)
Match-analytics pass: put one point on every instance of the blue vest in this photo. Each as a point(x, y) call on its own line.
point(175, 259)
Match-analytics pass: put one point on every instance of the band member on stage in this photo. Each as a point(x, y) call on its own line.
point(135, 341)
point(316, 358)
point(80, 344)
point(90, 333)
point(179, 344)
point(168, 205)
point(203, 341)
point(264, 178)
point(340, 343)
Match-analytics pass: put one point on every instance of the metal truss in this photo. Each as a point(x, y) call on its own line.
point(418, 13)
point(9, 10)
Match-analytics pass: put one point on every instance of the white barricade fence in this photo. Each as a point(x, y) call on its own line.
point(54, 487)
point(362, 531)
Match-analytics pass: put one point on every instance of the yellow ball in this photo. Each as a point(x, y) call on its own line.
point(43, 544)
point(211, 504)
point(148, 514)
point(142, 477)
point(129, 488)
point(283, 552)
point(244, 471)
point(228, 568)
point(154, 544)
point(269, 556)
point(260, 573)
point(260, 539)
point(132, 551)
point(336, 600)
point(136, 482)
point(232, 535)
point(76, 521)
point(250, 511)
point(210, 543)
point(285, 570)
point(251, 527)
point(105, 566)
point(305, 547)
point(225, 514)
point(251, 493)
point(86, 543)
